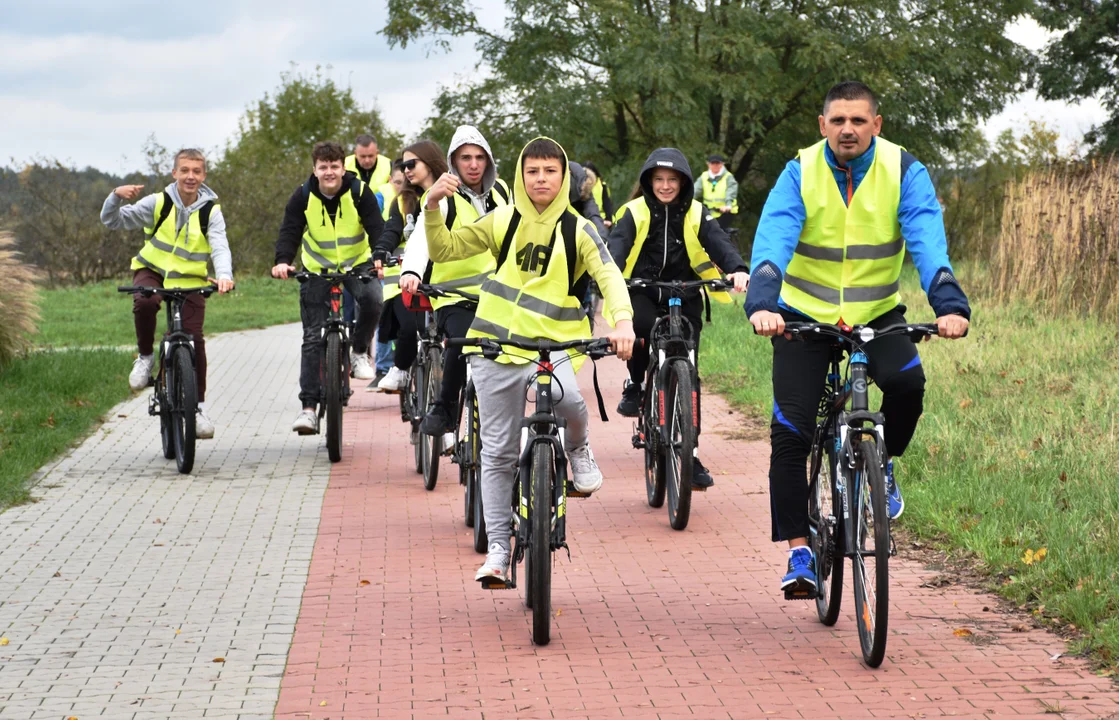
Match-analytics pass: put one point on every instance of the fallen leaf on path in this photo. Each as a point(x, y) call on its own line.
point(322, 704)
point(3, 641)
point(363, 582)
point(219, 659)
point(962, 632)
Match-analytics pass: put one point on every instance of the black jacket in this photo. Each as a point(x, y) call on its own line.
point(295, 221)
point(664, 255)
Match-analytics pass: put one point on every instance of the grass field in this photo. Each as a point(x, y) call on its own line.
point(1015, 458)
point(50, 400)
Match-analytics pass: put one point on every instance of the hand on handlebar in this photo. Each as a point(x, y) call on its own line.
point(410, 283)
point(224, 285)
point(767, 323)
point(741, 281)
point(621, 339)
point(282, 271)
point(952, 327)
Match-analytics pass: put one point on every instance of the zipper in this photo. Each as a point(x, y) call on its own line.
point(664, 259)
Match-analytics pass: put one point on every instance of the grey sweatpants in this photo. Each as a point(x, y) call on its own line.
point(501, 407)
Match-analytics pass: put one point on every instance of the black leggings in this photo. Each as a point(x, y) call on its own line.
point(407, 334)
point(646, 310)
point(454, 321)
point(799, 374)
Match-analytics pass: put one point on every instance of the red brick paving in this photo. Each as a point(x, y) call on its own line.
point(649, 622)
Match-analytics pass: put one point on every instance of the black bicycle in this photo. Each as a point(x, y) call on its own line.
point(669, 426)
point(175, 399)
point(541, 488)
point(847, 506)
point(425, 378)
point(334, 376)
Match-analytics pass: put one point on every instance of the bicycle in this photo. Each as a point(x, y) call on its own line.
point(541, 487)
point(334, 374)
point(668, 427)
point(847, 485)
point(175, 399)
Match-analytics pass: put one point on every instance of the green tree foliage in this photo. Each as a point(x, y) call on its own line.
point(1082, 60)
point(613, 79)
point(271, 155)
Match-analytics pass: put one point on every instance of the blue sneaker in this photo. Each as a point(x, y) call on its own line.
point(801, 576)
point(894, 504)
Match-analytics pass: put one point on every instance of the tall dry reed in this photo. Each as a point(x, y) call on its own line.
point(19, 311)
point(1059, 242)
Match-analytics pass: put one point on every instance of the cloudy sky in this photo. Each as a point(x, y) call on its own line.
point(87, 82)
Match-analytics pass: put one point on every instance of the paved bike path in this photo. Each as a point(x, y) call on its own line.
point(648, 622)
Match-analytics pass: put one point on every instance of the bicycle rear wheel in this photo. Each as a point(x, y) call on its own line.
point(539, 569)
point(415, 388)
point(473, 459)
point(166, 428)
point(871, 526)
point(431, 446)
point(679, 453)
point(184, 409)
point(332, 377)
point(654, 450)
point(826, 538)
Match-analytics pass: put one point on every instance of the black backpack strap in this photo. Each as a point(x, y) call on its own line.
point(355, 191)
point(507, 241)
point(568, 225)
point(306, 192)
point(452, 212)
point(204, 218)
point(500, 188)
point(164, 212)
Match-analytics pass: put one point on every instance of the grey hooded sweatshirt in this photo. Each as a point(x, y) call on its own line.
point(115, 215)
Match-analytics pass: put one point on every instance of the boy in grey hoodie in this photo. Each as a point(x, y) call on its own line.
point(188, 231)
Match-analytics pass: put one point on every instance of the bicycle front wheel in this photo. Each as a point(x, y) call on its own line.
point(654, 450)
point(333, 379)
point(415, 410)
point(539, 568)
point(166, 426)
point(431, 446)
point(871, 526)
point(679, 452)
point(184, 410)
point(825, 519)
point(473, 460)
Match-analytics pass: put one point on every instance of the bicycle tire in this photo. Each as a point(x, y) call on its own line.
point(679, 452)
point(827, 543)
point(868, 506)
point(474, 481)
point(415, 385)
point(185, 409)
point(333, 401)
point(166, 431)
point(539, 568)
point(431, 446)
point(463, 456)
point(654, 453)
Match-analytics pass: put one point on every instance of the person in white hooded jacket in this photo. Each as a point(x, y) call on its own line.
point(480, 191)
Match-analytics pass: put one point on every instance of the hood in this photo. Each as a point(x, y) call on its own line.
point(581, 184)
point(672, 159)
point(470, 135)
point(205, 195)
point(521, 201)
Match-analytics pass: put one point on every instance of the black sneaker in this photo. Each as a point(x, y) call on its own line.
point(701, 478)
point(630, 406)
point(436, 422)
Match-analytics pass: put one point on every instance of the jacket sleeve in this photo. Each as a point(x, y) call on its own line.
point(291, 229)
point(444, 245)
point(922, 226)
point(775, 240)
point(592, 213)
point(393, 232)
point(698, 194)
point(622, 237)
point(115, 215)
point(732, 191)
point(370, 212)
point(416, 256)
point(220, 254)
point(719, 246)
point(598, 263)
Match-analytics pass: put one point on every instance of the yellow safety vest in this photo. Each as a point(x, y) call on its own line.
point(697, 256)
point(334, 244)
point(388, 194)
point(715, 196)
point(382, 170)
point(596, 192)
point(849, 257)
point(466, 274)
point(542, 307)
point(180, 256)
point(391, 280)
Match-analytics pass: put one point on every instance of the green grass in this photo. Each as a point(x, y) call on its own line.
point(1016, 452)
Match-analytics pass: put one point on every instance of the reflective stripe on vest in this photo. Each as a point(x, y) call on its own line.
point(541, 307)
point(382, 171)
point(848, 260)
point(697, 256)
point(181, 255)
point(334, 244)
point(466, 274)
point(715, 194)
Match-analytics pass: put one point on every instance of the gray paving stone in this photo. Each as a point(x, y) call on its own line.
point(121, 552)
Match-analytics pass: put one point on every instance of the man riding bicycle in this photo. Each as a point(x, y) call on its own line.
point(829, 248)
point(332, 216)
point(544, 255)
point(480, 192)
point(668, 235)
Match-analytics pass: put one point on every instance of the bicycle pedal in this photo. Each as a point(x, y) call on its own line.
point(573, 493)
point(696, 488)
point(496, 583)
point(638, 441)
point(800, 591)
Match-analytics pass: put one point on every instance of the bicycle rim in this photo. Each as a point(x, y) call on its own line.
point(166, 427)
point(871, 568)
point(415, 395)
point(654, 453)
point(679, 452)
point(540, 544)
point(333, 379)
point(481, 537)
point(183, 413)
point(431, 444)
point(826, 543)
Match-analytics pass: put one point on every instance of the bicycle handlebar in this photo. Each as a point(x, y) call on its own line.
point(305, 275)
point(204, 291)
point(593, 348)
point(859, 334)
point(440, 291)
point(681, 285)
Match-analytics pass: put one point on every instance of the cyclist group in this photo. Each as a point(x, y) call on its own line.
point(829, 248)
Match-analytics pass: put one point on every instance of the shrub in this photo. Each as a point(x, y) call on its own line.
point(19, 312)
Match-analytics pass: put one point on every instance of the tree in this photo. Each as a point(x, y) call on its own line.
point(1082, 59)
point(271, 155)
point(613, 79)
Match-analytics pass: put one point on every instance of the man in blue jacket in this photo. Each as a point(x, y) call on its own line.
point(829, 248)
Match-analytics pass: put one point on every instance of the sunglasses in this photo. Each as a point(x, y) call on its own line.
point(409, 164)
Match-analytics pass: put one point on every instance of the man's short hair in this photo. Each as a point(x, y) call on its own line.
point(851, 90)
point(327, 151)
point(543, 149)
point(364, 139)
point(190, 154)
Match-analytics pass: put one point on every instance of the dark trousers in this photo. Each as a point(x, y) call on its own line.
point(646, 309)
point(145, 312)
point(799, 374)
point(454, 321)
point(314, 309)
point(407, 334)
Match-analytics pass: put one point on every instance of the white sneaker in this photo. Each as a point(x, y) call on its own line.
point(203, 426)
point(497, 562)
point(394, 382)
point(361, 368)
point(141, 373)
point(307, 423)
point(584, 470)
